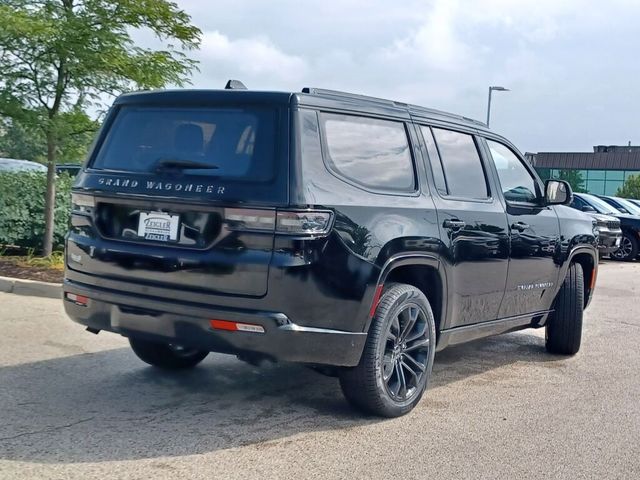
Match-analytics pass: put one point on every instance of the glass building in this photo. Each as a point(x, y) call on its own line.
point(600, 172)
point(598, 182)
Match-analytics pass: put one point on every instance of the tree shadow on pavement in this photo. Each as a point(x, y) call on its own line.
point(110, 406)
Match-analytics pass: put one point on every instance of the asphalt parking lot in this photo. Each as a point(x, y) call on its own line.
point(75, 405)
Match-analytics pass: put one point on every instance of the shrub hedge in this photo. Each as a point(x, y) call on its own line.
point(22, 209)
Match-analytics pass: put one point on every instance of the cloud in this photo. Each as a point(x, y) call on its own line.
point(568, 63)
point(436, 42)
point(252, 57)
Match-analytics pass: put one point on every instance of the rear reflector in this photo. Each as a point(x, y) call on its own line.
point(376, 299)
point(250, 327)
point(77, 299)
point(236, 326)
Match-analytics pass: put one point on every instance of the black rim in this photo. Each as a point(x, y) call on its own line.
point(406, 353)
point(625, 248)
point(181, 351)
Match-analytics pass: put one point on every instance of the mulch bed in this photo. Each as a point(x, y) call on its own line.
point(11, 268)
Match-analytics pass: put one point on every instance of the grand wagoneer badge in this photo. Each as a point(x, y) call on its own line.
point(154, 185)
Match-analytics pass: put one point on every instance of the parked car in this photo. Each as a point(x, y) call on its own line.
point(609, 233)
point(345, 232)
point(634, 201)
point(629, 224)
point(15, 165)
point(621, 204)
point(70, 168)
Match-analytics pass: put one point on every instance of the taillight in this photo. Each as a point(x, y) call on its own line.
point(289, 222)
point(247, 219)
point(303, 222)
point(82, 204)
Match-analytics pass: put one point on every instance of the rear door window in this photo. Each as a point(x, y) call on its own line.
point(463, 170)
point(369, 152)
point(231, 143)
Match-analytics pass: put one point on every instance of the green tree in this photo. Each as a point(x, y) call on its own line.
point(18, 141)
point(574, 178)
point(60, 57)
point(630, 188)
point(29, 143)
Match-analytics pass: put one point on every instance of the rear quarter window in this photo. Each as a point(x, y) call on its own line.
point(236, 143)
point(369, 152)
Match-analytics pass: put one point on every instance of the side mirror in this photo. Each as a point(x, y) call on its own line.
point(557, 192)
point(588, 208)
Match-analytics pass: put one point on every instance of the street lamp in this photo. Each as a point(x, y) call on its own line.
point(491, 89)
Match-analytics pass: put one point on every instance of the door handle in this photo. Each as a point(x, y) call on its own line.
point(520, 226)
point(453, 224)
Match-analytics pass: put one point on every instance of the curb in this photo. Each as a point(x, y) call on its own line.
point(31, 288)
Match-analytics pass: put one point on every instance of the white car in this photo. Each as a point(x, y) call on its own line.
point(13, 165)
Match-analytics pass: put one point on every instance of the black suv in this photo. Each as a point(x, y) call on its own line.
point(630, 224)
point(349, 233)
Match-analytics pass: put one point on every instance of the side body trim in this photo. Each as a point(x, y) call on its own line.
point(467, 333)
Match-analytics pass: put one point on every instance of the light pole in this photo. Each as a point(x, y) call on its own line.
point(491, 89)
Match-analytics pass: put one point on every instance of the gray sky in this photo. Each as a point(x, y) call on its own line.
point(573, 66)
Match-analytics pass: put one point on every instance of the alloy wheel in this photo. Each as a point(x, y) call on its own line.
point(406, 353)
point(625, 248)
point(182, 351)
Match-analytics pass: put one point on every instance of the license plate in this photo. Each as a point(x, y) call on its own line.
point(158, 226)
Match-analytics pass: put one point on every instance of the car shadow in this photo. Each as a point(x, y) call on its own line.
point(110, 406)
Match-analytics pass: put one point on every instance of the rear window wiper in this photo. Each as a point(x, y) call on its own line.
point(180, 164)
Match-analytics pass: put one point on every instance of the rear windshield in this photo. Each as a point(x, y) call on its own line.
point(233, 143)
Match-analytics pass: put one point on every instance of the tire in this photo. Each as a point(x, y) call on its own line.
point(390, 355)
point(165, 355)
point(628, 250)
point(326, 370)
point(564, 328)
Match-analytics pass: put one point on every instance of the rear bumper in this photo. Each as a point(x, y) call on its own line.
point(188, 324)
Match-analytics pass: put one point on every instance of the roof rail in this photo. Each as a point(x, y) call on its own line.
point(338, 93)
point(456, 116)
point(383, 101)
